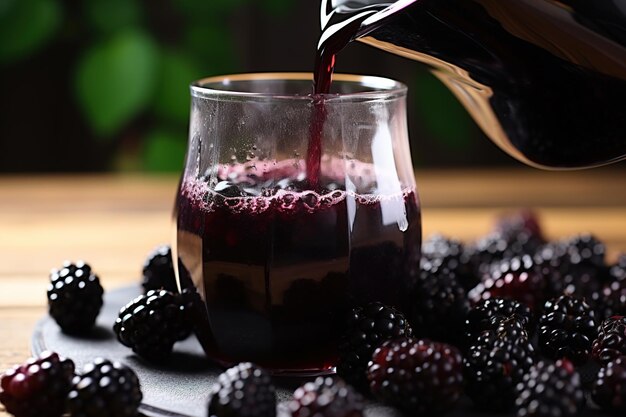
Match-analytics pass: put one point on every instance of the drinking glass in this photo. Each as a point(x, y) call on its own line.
point(279, 258)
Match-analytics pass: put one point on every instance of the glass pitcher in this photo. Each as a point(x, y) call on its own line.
point(544, 79)
point(278, 261)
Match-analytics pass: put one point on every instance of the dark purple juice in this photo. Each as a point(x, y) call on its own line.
point(279, 268)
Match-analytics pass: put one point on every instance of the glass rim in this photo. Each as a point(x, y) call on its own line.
point(377, 88)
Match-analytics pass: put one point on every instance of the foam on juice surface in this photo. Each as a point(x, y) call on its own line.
point(202, 191)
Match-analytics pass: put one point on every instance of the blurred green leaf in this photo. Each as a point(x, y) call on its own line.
point(172, 98)
point(26, 25)
point(278, 6)
point(164, 150)
point(112, 15)
point(124, 161)
point(212, 45)
point(442, 115)
point(115, 81)
point(203, 9)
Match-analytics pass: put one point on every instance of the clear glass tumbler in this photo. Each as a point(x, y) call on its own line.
point(278, 259)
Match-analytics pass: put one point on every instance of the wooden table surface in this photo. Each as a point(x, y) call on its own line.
point(112, 222)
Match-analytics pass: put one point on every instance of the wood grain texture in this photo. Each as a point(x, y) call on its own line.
point(114, 221)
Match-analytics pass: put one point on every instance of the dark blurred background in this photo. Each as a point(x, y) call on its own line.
point(100, 85)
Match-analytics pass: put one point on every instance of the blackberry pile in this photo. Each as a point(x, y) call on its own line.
point(74, 297)
point(524, 344)
point(366, 329)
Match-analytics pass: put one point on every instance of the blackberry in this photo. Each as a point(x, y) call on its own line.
point(489, 313)
point(518, 278)
point(611, 300)
point(511, 226)
point(439, 306)
point(366, 329)
point(617, 272)
point(567, 328)
point(501, 245)
point(509, 329)
point(417, 376)
point(550, 390)
point(585, 250)
point(438, 246)
point(158, 270)
point(243, 391)
point(571, 272)
point(611, 341)
point(326, 397)
point(104, 389)
point(486, 251)
point(588, 373)
point(152, 323)
point(229, 189)
point(581, 262)
point(492, 368)
point(440, 252)
point(74, 297)
point(38, 387)
point(609, 389)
